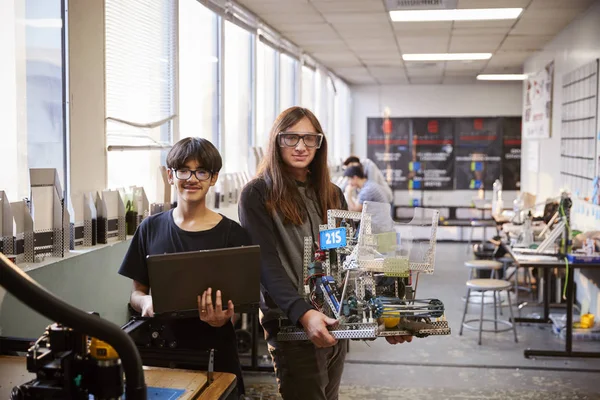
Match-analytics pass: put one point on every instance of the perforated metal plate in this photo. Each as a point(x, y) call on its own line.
point(362, 331)
point(438, 328)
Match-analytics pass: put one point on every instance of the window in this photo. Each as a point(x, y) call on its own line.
point(32, 92)
point(140, 82)
point(287, 82)
point(266, 87)
point(236, 139)
point(341, 129)
point(308, 88)
point(328, 126)
point(198, 68)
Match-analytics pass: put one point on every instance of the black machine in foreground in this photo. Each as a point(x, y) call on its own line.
point(80, 356)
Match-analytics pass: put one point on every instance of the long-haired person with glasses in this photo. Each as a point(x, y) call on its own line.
point(285, 203)
point(193, 167)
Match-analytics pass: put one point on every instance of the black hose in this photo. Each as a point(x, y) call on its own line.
point(32, 294)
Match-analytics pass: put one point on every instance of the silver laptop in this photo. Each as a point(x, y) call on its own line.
point(177, 279)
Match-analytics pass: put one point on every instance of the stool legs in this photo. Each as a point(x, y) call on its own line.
point(495, 312)
point(481, 316)
point(465, 312)
point(512, 318)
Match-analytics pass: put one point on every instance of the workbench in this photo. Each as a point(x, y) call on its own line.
point(13, 372)
point(546, 265)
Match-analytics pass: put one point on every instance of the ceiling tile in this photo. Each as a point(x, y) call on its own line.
point(459, 80)
point(502, 23)
point(459, 73)
point(533, 26)
point(479, 31)
point(426, 81)
point(384, 61)
point(358, 18)
point(508, 59)
point(335, 59)
point(476, 43)
point(560, 4)
point(409, 47)
point(549, 14)
point(350, 6)
point(426, 69)
point(363, 80)
point(493, 69)
point(493, 3)
point(383, 72)
point(465, 65)
point(392, 80)
point(367, 30)
point(306, 27)
point(422, 27)
point(525, 42)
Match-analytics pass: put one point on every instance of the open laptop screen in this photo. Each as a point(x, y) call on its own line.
point(177, 279)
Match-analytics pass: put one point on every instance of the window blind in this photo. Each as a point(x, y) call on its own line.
point(140, 51)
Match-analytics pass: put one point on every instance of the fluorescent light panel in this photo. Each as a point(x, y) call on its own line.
point(480, 14)
point(501, 77)
point(447, 57)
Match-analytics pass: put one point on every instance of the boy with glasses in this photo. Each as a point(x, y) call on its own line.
point(193, 167)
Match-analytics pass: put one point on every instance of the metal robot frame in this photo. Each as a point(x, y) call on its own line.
point(371, 271)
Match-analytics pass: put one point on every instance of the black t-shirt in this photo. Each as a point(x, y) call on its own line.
point(158, 234)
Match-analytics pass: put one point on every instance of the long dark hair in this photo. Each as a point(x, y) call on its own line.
point(282, 193)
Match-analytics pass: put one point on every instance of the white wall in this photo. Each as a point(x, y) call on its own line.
point(575, 46)
point(476, 100)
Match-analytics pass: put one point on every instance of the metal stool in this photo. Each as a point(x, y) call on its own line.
point(481, 265)
point(484, 265)
point(482, 286)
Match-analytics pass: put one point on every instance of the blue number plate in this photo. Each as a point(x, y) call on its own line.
point(333, 238)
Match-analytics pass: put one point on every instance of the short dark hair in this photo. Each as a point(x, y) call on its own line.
point(197, 149)
point(351, 159)
point(355, 170)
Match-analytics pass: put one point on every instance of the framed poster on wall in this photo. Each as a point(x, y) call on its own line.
point(478, 152)
point(432, 162)
point(537, 123)
point(388, 147)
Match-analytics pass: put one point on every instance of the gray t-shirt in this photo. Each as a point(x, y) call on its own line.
point(372, 191)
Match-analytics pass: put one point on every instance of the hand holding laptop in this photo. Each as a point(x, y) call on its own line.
point(214, 316)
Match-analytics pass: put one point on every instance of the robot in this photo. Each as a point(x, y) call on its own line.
point(362, 275)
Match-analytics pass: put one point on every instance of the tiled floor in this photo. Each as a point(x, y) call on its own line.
point(455, 367)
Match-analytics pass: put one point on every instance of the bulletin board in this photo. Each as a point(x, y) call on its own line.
point(579, 118)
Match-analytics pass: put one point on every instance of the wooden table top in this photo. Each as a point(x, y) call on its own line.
point(13, 372)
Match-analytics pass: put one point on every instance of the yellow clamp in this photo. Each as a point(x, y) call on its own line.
point(102, 351)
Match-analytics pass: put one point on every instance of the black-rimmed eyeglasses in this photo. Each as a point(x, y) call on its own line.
point(291, 139)
point(185, 174)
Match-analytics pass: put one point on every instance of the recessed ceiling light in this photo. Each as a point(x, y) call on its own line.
point(501, 77)
point(455, 14)
point(447, 57)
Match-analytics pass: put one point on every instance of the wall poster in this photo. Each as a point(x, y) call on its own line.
point(511, 158)
point(388, 147)
point(478, 150)
point(432, 161)
point(538, 104)
point(447, 153)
